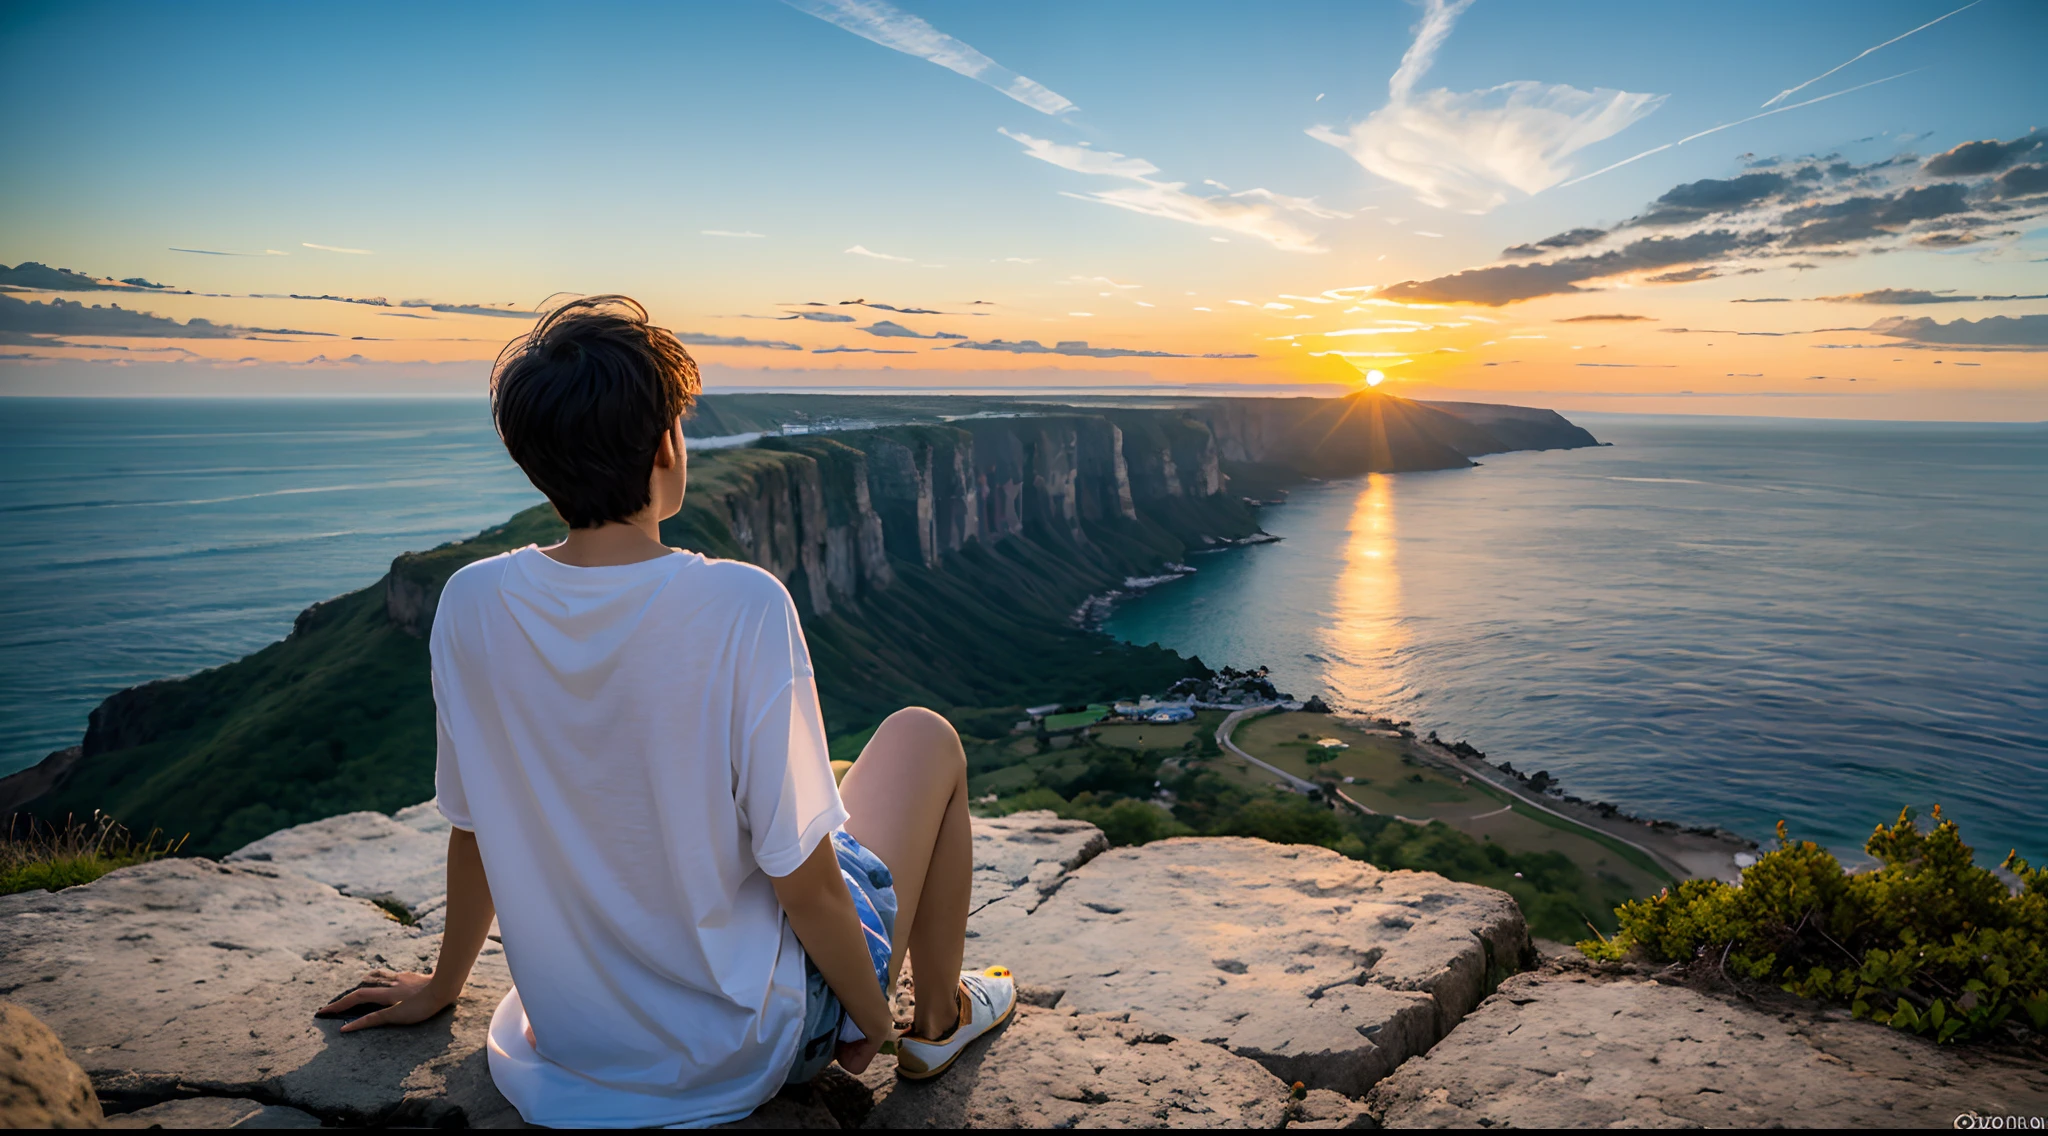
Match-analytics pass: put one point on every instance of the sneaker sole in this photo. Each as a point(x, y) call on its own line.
point(928, 1074)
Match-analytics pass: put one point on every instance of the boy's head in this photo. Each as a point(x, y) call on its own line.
point(584, 401)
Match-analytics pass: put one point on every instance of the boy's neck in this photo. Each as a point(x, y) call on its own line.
point(610, 544)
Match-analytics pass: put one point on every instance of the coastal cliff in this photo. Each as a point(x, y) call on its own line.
point(933, 562)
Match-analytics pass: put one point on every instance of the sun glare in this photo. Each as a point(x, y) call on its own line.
point(1374, 378)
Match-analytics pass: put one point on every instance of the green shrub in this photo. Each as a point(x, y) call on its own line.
point(37, 856)
point(1927, 942)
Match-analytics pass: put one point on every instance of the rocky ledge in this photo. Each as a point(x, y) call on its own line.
point(1186, 983)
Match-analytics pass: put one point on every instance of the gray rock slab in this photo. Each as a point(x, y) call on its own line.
point(1571, 1047)
point(1062, 1069)
point(1324, 970)
point(185, 977)
point(363, 854)
point(214, 1113)
point(1020, 860)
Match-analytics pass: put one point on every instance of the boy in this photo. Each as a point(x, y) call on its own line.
point(633, 759)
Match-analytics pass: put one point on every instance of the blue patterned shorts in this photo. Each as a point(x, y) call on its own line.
point(874, 899)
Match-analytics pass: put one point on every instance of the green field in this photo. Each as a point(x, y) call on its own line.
point(1389, 778)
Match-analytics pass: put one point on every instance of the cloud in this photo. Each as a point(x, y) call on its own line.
point(2021, 181)
point(29, 274)
point(863, 250)
point(898, 30)
point(466, 309)
point(699, 339)
point(1815, 207)
point(1865, 216)
point(2022, 332)
point(1569, 239)
point(1763, 300)
point(1467, 150)
point(335, 248)
point(1983, 157)
point(1605, 319)
point(1919, 296)
point(221, 252)
point(902, 311)
point(861, 351)
point(1789, 92)
point(732, 233)
point(1253, 213)
point(1080, 348)
point(1495, 285)
point(821, 317)
point(70, 317)
point(889, 329)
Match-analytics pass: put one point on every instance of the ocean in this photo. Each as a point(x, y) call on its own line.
point(1713, 620)
point(1725, 621)
point(155, 537)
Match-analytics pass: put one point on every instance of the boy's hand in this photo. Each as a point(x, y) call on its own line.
point(408, 998)
point(854, 1056)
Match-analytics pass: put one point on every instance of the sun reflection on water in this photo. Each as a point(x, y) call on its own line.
point(1364, 630)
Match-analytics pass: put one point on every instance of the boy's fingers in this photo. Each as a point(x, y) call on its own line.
point(375, 995)
point(369, 1021)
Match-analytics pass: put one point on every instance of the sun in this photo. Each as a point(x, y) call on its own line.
point(1375, 378)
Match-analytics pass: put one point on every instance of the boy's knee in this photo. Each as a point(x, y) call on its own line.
point(925, 732)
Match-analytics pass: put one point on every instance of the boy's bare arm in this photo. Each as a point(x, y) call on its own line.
point(409, 997)
point(821, 912)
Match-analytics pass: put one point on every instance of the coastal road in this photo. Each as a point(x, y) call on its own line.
point(1230, 747)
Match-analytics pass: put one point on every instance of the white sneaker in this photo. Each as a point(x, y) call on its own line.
point(987, 1000)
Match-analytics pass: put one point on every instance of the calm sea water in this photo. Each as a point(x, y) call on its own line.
point(1713, 620)
point(150, 538)
point(1725, 621)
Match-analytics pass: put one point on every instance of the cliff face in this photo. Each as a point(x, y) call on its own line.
point(934, 563)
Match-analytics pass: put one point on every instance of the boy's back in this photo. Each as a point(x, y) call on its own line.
point(631, 743)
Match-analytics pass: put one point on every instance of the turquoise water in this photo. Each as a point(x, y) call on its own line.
point(151, 538)
point(1718, 621)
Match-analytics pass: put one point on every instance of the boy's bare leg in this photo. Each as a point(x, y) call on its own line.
point(906, 799)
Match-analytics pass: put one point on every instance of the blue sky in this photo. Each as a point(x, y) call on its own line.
point(502, 153)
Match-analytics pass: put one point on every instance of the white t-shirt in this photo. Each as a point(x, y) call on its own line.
point(638, 749)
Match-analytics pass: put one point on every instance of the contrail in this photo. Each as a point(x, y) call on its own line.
point(1738, 122)
point(1867, 51)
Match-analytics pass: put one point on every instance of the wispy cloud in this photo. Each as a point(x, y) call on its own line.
point(1080, 348)
point(890, 329)
point(700, 339)
point(898, 30)
point(862, 351)
point(863, 250)
point(1466, 150)
point(1920, 296)
point(222, 252)
point(1781, 96)
point(732, 233)
point(1253, 213)
point(1728, 125)
point(335, 248)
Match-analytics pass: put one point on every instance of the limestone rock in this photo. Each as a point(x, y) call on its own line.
point(1325, 970)
point(1062, 1069)
point(214, 1113)
point(184, 977)
point(1571, 1047)
point(366, 854)
point(1321, 1108)
point(40, 1085)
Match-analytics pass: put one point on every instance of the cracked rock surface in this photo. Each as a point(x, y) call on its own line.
point(1063, 1069)
point(1324, 970)
point(187, 977)
point(1574, 1046)
point(1164, 986)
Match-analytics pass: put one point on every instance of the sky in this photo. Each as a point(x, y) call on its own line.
point(1822, 210)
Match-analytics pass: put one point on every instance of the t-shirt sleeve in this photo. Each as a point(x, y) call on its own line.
point(783, 772)
point(448, 794)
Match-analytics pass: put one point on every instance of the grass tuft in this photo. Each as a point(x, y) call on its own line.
point(34, 855)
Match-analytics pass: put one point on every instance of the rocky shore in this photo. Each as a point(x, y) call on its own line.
point(1214, 983)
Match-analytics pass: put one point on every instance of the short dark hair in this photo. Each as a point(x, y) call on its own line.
point(582, 402)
